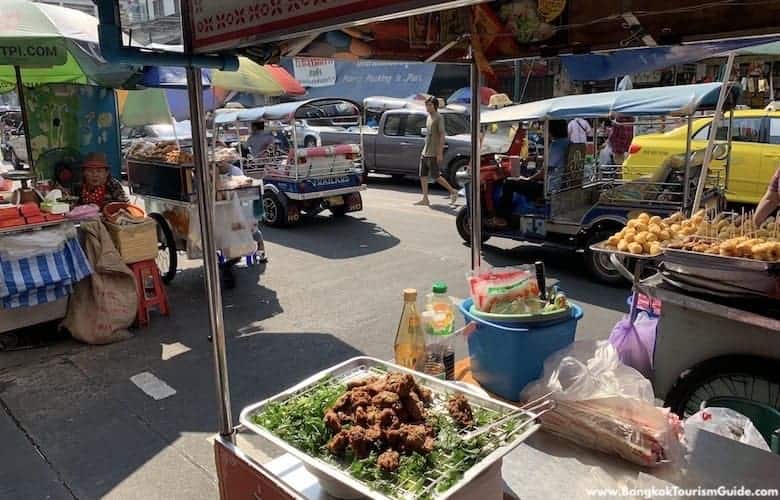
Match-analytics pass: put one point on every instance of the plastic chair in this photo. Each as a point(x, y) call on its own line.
point(764, 417)
point(146, 272)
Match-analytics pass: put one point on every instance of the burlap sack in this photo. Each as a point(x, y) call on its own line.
point(103, 306)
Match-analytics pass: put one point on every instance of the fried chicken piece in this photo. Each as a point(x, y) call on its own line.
point(374, 434)
point(354, 384)
point(394, 439)
point(389, 461)
point(360, 445)
point(460, 411)
point(388, 419)
point(345, 418)
point(415, 410)
point(361, 417)
point(400, 383)
point(344, 402)
point(385, 399)
point(425, 395)
point(338, 443)
point(332, 421)
point(413, 437)
point(360, 397)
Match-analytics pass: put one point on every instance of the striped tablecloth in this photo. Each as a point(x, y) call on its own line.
point(43, 278)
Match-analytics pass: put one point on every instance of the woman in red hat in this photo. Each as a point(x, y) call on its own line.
point(98, 187)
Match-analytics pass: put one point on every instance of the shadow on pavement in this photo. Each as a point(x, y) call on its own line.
point(349, 236)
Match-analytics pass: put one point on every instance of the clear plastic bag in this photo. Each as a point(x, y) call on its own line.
point(503, 290)
point(605, 405)
point(727, 423)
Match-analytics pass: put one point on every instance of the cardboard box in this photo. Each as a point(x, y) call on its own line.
point(135, 242)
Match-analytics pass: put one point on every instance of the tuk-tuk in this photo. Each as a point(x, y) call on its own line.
point(581, 202)
point(300, 179)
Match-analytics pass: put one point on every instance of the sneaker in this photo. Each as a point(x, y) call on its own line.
point(424, 202)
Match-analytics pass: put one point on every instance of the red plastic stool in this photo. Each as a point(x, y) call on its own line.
point(150, 290)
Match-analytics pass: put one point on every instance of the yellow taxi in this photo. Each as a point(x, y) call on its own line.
point(755, 153)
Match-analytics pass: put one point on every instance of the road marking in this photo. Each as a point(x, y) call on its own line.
point(172, 350)
point(153, 387)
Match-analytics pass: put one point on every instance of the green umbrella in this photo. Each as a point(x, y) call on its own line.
point(52, 44)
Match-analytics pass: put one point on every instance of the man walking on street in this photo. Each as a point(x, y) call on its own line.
point(433, 153)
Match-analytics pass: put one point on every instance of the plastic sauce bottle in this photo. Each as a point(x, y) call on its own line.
point(409, 346)
point(438, 324)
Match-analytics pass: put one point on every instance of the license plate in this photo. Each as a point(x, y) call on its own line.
point(335, 200)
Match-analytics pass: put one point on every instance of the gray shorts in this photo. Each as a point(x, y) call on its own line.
point(429, 167)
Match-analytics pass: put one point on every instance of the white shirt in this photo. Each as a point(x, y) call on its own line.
point(579, 130)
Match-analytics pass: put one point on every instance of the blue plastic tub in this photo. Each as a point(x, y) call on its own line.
point(506, 357)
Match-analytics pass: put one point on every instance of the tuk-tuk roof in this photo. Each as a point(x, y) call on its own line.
point(381, 103)
point(658, 101)
point(282, 112)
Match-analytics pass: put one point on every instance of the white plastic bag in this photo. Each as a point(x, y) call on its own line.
point(727, 423)
point(605, 405)
point(233, 232)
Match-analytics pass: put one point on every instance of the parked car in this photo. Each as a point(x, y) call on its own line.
point(755, 151)
point(394, 146)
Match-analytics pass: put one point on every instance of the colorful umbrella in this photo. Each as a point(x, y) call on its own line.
point(463, 96)
point(53, 44)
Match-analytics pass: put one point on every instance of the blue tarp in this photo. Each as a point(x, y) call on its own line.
point(631, 61)
point(361, 79)
point(659, 101)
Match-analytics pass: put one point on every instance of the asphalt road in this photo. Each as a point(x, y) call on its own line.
point(74, 425)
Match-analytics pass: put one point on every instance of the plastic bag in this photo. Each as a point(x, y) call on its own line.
point(503, 290)
point(727, 423)
point(233, 232)
point(635, 342)
point(605, 405)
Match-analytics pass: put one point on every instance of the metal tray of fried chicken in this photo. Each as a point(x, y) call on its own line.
point(328, 471)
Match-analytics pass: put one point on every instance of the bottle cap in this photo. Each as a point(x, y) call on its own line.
point(440, 287)
point(410, 294)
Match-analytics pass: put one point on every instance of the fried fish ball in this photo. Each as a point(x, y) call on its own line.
point(676, 228)
point(651, 237)
point(613, 240)
point(644, 217)
point(688, 230)
point(654, 228)
point(635, 248)
point(656, 220)
point(632, 223)
point(622, 245)
point(641, 238)
point(629, 238)
point(664, 235)
point(655, 248)
point(646, 247)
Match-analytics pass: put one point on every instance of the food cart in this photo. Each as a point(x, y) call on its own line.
point(239, 474)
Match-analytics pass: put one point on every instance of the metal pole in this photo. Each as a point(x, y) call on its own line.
point(546, 158)
point(525, 85)
point(25, 121)
point(728, 157)
point(713, 131)
point(211, 271)
point(687, 177)
point(475, 206)
point(518, 67)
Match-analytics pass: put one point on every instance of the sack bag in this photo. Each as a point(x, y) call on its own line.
point(102, 308)
point(605, 405)
point(233, 232)
point(727, 423)
point(635, 343)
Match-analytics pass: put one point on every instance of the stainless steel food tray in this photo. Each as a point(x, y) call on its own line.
point(603, 248)
point(721, 263)
point(359, 367)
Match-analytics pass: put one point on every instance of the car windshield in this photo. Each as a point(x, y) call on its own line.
point(456, 123)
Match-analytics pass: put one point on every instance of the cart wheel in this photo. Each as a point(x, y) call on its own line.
point(598, 263)
point(310, 142)
point(748, 377)
point(166, 259)
point(275, 213)
point(464, 227)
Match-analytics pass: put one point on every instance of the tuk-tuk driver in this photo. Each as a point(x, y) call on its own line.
point(533, 187)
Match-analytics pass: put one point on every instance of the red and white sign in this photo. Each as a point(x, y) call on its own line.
point(315, 71)
point(226, 24)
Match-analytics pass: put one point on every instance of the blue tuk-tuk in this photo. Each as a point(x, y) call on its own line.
point(301, 177)
point(580, 201)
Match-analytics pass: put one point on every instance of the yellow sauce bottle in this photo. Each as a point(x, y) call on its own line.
point(409, 344)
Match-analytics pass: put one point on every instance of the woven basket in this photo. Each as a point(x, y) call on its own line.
point(135, 242)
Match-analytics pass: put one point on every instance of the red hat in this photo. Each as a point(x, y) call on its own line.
point(95, 160)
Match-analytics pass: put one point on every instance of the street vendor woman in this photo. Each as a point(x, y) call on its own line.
point(97, 186)
point(770, 202)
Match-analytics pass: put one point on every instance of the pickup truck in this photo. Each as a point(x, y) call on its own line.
point(395, 144)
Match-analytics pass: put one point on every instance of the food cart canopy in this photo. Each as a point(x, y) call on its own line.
point(660, 101)
point(380, 103)
point(289, 111)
